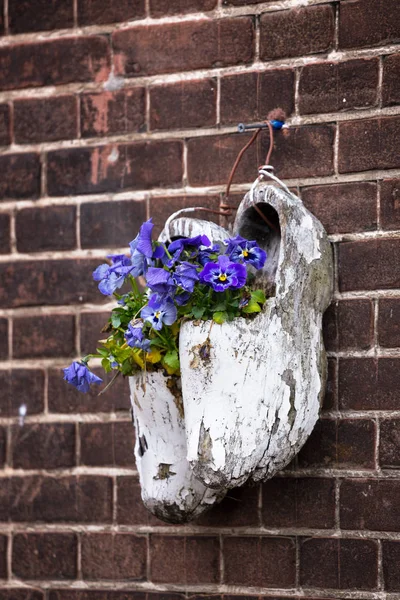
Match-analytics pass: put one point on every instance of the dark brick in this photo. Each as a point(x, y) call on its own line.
point(44, 336)
point(45, 119)
point(391, 82)
point(113, 113)
point(130, 507)
point(5, 247)
point(21, 386)
point(43, 446)
point(107, 444)
point(142, 50)
point(185, 560)
point(98, 230)
point(3, 341)
point(183, 105)
point(21, 594)
point(162, 208)
point(45, 555)
point(97, 12)
point(50, 228)
point(340, 564)
point(39, 15)
point(368, 144)
point(55, 62)
point(332, 87)
point(3, 557)
point(1, 17)
point(3, 442)
point(390, 563)
point(251, 96)
point(390, 204)
point(368, 383)
point(161, 8)
point(238, 509)
point(296, 502)
point(296, 32)
point(349, 325)
point(110, 595)
point(90, 330)
point(369, 265)
point(330, 400)
point(389, 444)
point(389, 322)
point(64, 398)
point(340, 444)
point(365, 23)
point(370, 505)
point(119, 556)
point(259, 561)
point(85, 499)
point(20, 176)
point(42, 282)
point(141, 165)
point(243, 2)
point(5, 134)
point(343, 207)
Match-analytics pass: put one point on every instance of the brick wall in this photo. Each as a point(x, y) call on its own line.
point(111, 111)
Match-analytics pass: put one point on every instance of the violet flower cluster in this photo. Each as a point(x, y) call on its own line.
point(190, 278)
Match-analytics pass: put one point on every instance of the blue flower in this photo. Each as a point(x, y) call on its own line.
point(224, 274)
point(159, 311)
point(79, 375)
point(142, 249)
point(113, 277)
point(186, 276)
point(208, 254)
point(135, 338)
point(176, 248)
point(144, 244)
point(241, 250)
point(160, 281)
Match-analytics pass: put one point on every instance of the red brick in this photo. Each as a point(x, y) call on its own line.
point(368, 144)
point(45, 119)
point(296, 502)
point(330, 400)
point(141, 165)
point(3, 340)
point(390, 204)
point(389, 444)
point(45, 555)
point(162, 208)
point(3, 556)
point(243, 2)
point(85, 499)
point(5, 135)
point(68, 594)
point(44, 336)
point(53, 445)
point(1, 17)
point(187, 104)
point(113, 113)
point(64, 398)
point(161, 8)
point(259, 561)
point(185, 560)
point(369, 265)
point(97, 12)
point(343, 207)
point(369, 384)
point(391, 83)
point(3, 443)
point(349, 325)
point(340, 445)
point(42, 282)
point(40, 15)
point(107, 224)
point(54, 62)
point(251, 96)
point(21, 594)
point(362, 502)
point(296, 32)
point(389, 322)
point(141, 51)
point(119, 556)
point(21, 386)
point(90, 330)
point(390, 562)
point(365, 23)
point(20, 176)
point(107, 444)
point(339, 564)
point(49, 228)
point(5, 241)
point(238, 509)
point(130, 507)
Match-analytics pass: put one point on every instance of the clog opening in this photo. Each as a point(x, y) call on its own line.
point(265, 229)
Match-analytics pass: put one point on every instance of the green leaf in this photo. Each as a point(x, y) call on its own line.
point(105, 363)
point(198, 312)
point(115, 320)
point(252, 307)
point(220, 307)
point(258, 296)
point(220, 317)
point(172, 359)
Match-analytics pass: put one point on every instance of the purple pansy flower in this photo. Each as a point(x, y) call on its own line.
point(79, 376)
point(160, 281)
point(159, 311)
point(224, 274)
point(142, 251)
point(206, 254)
point(112, 276)
point(176, 248)
point(248, 252)
point(186, 276)
point(135, 338)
